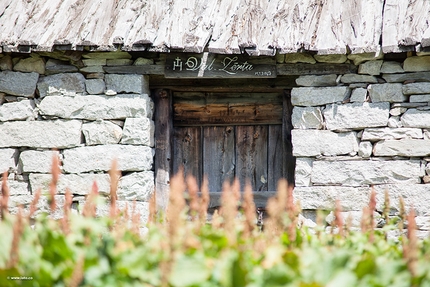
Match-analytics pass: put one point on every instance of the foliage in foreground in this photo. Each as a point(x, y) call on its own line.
point(182, 249)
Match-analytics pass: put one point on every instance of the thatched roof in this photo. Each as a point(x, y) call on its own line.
point(220, 26)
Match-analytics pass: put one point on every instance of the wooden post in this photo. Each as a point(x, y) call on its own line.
point(163, 146)
point(289, 163)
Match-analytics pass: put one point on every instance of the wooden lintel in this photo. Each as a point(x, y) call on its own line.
point(315, 69)
point(282, 70)
point(222, 85)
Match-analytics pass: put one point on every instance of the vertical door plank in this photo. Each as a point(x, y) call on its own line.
point(187, 150)
point(251, 156)
point(218, 155)
point(163, 146)
point(275, 157)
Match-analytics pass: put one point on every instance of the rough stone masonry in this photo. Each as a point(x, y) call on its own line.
point(350, 132)
point(49, 106)
point(367, 130)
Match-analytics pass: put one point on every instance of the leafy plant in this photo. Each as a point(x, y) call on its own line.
point(182, 248)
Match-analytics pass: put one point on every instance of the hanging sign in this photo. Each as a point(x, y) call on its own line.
point(208, 65)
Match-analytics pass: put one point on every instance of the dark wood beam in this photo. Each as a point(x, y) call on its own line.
point(163, 146)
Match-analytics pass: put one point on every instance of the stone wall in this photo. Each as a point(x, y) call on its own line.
point(64, 104)
point(351, 131)
point(355, 131)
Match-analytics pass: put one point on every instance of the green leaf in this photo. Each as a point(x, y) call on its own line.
point(343, 278)
point(365, 266)
point(189, 271)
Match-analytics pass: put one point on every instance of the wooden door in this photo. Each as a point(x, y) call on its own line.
point(228, 135)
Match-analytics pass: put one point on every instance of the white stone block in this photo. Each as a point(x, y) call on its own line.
point(365, 149)
point(308, 143)
point(7, 159)
point(17, 188)
point(136, 186)
point(307, 118)
point(324, 197)
point(37, 161)
point(403, 147)
point(394, 122)
point(355, 198)
point(376, 134)
point(101, 132)
point(303, 171)
point(21, 110)
point(138, 131)
point(94, 107)
point(363, 173)
point(99, 158)
point(62, 134)
point(141, 208)
point(416, 119)
point(77, 183)
point(43, 206)
point(414, 195)
point(356, 115)
point(397, 111)
point(426, 134)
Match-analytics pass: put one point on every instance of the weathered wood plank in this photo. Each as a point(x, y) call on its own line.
point(70, 22)
point(355, 24)
point(282, 69)
point(225, 26)
point(202, 98)
point(207, 65)
point(238, 114)
point(185, 25)
point(187, 151)
point(163, 146)
point(224, 85)
point(295, 24)
point(251, 156)
point(275, 157)
point(138, 22)
point(405, 24)
point(14, 20)
point(225, 21)
point(218, 156)
point(207, 108)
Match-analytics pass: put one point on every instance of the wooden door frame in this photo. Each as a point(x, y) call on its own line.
point(163, 120)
